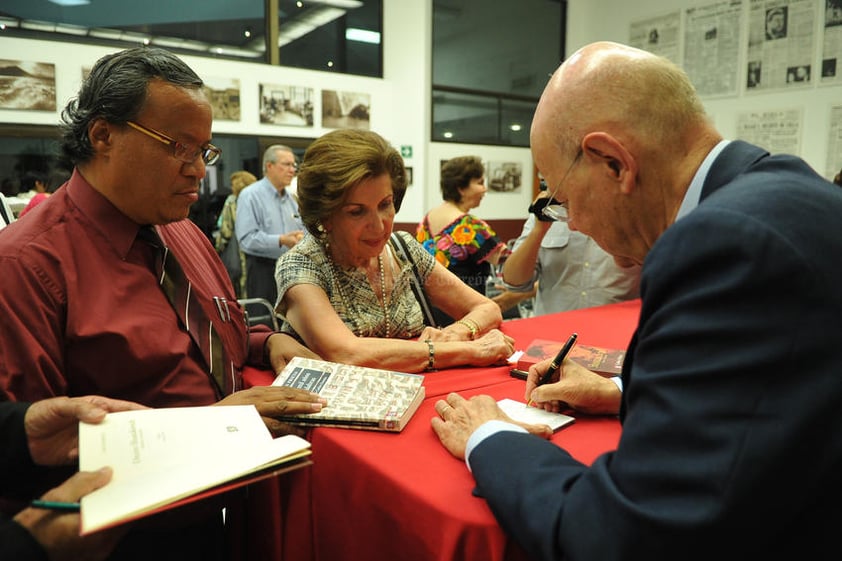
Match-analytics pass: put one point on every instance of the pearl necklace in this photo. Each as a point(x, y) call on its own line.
point(385, 296)
point(385, 301)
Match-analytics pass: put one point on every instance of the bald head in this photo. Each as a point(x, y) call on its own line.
point(622, 132)
point(620, 89)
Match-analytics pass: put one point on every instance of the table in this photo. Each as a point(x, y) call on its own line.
point(377, 495)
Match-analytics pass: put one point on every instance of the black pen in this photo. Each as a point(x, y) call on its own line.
point(557, 361)
point(55, 505)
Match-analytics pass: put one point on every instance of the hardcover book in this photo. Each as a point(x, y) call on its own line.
point(358, 397)
point(606, 361)
point(169, 457)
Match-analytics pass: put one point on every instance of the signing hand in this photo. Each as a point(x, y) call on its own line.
point(459, 418)
point(575, 386)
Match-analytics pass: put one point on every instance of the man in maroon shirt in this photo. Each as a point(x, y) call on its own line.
point(83, 311)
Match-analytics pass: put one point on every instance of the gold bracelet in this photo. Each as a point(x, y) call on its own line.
point(471, 325)
point(431, 357)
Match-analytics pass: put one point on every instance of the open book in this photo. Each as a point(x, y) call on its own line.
point(163, 458)
point(358, 397)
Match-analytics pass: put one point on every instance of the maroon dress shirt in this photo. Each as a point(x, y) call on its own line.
point(82, 312)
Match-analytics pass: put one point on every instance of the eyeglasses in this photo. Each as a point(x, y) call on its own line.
point(558, 212)
point(292, 165)
point(186, 153)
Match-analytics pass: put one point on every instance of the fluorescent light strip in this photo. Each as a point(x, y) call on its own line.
point(362, 35)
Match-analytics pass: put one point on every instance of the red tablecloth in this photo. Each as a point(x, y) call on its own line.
point(376, 495)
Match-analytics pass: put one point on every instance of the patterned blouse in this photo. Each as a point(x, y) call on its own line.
point(348, 289)
point(463, 247)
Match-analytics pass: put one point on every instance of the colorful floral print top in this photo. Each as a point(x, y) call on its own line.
point(463, 247)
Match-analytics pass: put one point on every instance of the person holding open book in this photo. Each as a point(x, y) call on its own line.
point(346, 291)
point(45, 433)
point(114, 291)
point(732, 396)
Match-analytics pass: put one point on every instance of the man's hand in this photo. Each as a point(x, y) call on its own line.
point(459, 418)
point(51, 425)
point(576, 387)
point(290, 238)
point(273, 401)
point(58, 531)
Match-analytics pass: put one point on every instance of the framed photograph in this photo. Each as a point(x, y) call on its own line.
point(27, 85)
point(504, 176)
point(346, 110)
point(286, 105)
point(224, 96)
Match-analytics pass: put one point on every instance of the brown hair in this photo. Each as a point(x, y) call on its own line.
point(457, 173)
point(339, 160)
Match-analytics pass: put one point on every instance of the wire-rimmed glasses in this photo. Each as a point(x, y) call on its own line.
point(558, 211)
point(186, 153)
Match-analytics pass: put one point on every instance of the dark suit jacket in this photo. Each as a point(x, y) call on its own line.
point(732, 415)
point(16, 469)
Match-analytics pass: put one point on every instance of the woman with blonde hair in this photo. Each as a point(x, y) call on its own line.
point(226, 241)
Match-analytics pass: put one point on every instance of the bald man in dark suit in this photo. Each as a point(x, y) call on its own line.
point(732, 387)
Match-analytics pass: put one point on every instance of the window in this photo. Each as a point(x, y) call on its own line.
point(329, 35)
point(491, 61)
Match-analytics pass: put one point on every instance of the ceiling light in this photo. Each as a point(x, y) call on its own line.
point(362, 35)
point(515, 127)
point(347, 4)
point(228, 50)
point(448, 134)
point(37, 25)
point(71, 2)
point(71, 29)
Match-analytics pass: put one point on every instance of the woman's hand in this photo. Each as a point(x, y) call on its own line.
point(494, 347)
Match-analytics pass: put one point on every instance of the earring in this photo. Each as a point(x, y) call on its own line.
point(322, 237)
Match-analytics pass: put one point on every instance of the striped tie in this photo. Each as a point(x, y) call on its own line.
point(178, 290)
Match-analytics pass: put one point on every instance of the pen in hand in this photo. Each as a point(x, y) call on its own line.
point(557, 362)
point(55, 505)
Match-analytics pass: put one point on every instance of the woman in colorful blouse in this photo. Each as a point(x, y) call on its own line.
point(463, 243)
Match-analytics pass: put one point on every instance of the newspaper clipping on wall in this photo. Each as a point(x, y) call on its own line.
point(711, 47)
point(832, 43)
point(834, 143)
point(781, 44)
point(658, 35)
point(776, 131)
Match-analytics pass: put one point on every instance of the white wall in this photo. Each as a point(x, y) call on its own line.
point(587, 23)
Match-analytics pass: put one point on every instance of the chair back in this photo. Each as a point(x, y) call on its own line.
point(259, 311)
point(6, 214)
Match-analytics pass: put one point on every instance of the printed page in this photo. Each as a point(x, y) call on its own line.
point(520, 411)
point(161, 455)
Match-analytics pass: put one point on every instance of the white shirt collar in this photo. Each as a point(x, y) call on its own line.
point(694, 192)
